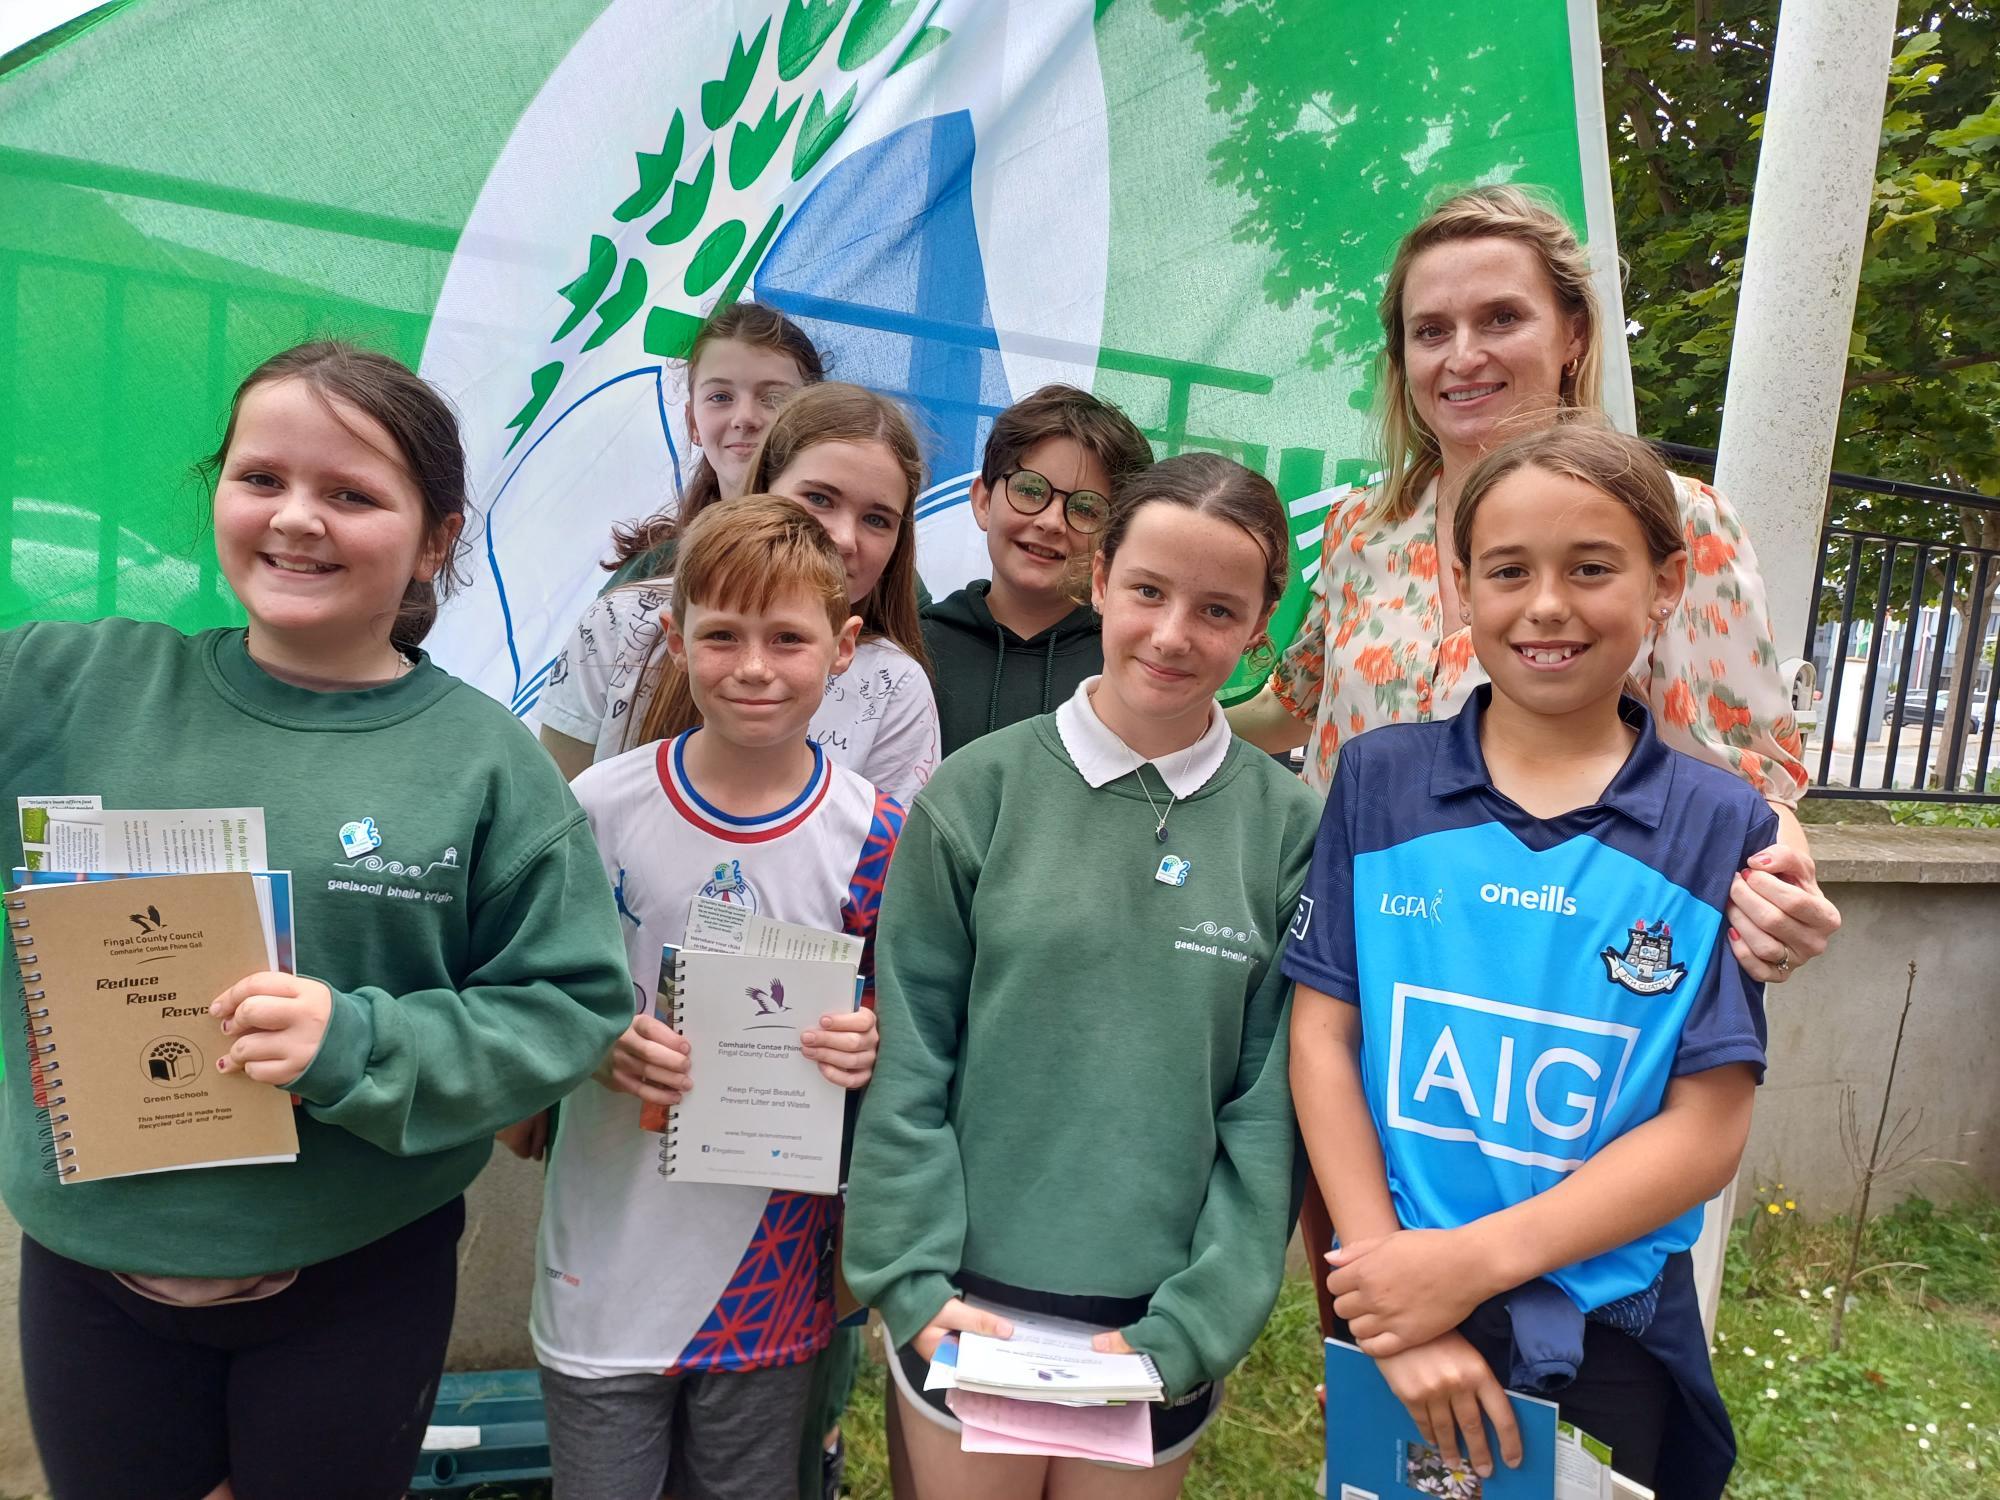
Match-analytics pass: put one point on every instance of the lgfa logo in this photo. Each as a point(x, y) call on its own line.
point(1400, 905)
point(1554, 899)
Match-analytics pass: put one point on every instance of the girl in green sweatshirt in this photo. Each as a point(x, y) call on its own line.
point(278, 1329)
point(1080, 1107)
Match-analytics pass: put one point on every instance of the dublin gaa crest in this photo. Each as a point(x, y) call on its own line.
point(1647, 966)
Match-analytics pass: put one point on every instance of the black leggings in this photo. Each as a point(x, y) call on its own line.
point(322, 1390)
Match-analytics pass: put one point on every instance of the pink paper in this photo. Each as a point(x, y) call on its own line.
point(995, 1424)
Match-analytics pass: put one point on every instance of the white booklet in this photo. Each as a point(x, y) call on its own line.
point(1050, 1359)
point(760, 1114)
point(76, 834)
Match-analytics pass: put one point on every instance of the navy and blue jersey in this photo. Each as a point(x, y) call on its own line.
point(1528, 986)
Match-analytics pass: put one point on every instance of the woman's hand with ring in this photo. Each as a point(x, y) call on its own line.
point(1779, 919)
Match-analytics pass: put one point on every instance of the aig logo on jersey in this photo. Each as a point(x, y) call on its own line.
point(1521, 1084)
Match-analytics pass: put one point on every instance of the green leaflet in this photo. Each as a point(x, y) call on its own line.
point(923, 43)
point(618, 308)
point(751, 147)
point(689, 203)
point(670, 332)
point(719, 100)
point(716, 255)
point(875, 26)
point(755, 253)
point(808, 25)
point(582, 293)
point(819, 130)
point(542, 385)
point(656, 174)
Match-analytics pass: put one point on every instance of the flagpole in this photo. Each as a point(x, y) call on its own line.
point(1795, 315)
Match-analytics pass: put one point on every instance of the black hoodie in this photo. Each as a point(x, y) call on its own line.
point(988, 677)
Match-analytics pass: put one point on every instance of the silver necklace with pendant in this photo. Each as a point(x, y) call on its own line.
point(1172, 869)
point(1159, 828)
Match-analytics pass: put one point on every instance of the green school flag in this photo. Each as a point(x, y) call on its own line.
point(1184, 205)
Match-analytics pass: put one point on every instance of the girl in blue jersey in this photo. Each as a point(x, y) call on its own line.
point(1523, 1052)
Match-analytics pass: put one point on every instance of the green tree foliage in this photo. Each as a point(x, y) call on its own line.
point(1329, 217)
point(1685, 87)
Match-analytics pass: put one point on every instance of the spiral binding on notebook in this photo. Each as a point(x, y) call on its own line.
point(668, 1009)
point(57, 1144)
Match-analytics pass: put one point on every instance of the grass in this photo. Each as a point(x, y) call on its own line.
point(1911, 1405)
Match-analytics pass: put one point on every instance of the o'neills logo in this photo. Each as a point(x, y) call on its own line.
point(1555, 899)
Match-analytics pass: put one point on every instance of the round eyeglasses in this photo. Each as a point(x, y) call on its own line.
point(1085, 510)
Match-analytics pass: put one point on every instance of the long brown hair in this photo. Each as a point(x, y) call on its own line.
point(427, 441)
point(749, 323)
point(835, 412)
point(831, 412)
point(740, 554)
point(1409, 449)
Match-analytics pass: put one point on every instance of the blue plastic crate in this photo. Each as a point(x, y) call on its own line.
point(513, 1449)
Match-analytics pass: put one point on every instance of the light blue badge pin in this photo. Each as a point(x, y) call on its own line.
point(1173, 870)
point(359, 837)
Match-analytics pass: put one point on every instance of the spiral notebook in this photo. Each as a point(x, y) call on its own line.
point(116, 980)
point(760, 1114)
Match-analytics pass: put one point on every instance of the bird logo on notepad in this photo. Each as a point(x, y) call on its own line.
point(775, 995)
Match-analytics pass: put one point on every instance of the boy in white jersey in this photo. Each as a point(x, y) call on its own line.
point(673, 1313)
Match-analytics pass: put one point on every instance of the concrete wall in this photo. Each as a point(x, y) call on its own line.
point(1904, 894)
point(1922, 894)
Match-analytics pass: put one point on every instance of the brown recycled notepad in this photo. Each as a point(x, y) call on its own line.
point(116, 978)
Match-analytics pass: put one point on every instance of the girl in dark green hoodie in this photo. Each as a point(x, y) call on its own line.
point(1015, 645)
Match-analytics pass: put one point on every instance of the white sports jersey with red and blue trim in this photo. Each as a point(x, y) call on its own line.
point(639, 1273)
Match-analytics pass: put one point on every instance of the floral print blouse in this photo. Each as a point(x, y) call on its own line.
point(1373, 650)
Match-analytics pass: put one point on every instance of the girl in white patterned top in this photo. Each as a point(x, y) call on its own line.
point(850, 457)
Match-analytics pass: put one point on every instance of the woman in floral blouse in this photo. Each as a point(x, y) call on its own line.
point(1491, 327)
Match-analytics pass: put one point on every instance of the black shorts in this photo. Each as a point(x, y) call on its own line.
point(1175, 1426)
point(322, 1390)
point(1622, 1395)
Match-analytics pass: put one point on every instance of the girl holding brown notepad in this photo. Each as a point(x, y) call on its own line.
point(277, 1330)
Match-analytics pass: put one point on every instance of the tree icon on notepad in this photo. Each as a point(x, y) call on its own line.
point(171, 1060)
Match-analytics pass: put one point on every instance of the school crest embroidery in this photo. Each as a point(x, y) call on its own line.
point(1647, 966)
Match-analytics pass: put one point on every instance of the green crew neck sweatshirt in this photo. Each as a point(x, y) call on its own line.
point(1082, 1084)
point(475, 959)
